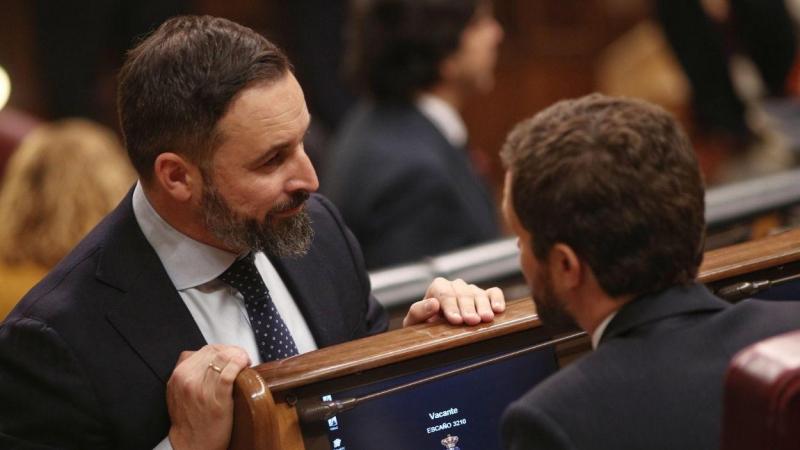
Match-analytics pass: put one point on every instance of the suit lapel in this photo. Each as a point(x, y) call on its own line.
point(310, 287)
point(674, 301)
point(151, 315)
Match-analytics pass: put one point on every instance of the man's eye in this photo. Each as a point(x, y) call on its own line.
point(274, 160)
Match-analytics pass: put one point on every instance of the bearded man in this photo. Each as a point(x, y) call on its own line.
point(607, 200)
point(220, 257)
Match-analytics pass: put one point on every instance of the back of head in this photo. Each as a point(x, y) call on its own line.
point(59, 183)
point(395, 47)
point(178, 82)
point(615, 179)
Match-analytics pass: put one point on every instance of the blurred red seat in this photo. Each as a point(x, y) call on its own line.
point(762, 396)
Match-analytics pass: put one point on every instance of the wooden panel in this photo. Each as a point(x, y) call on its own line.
point(748, 257)
point(255, 425)
point(391, 347)
point(406, 344)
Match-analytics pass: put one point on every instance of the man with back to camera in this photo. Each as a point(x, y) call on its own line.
point(399, 169)
point(607, 200)
point(220, 257)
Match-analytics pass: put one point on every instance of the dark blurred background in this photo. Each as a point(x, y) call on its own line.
point(62, 57)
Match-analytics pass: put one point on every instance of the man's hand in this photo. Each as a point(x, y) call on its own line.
point(200, 397)
point(457, 302)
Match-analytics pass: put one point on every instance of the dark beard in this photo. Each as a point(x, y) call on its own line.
point(276, 237)
point(549, 307)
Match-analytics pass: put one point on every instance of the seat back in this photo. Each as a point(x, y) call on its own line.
point(762, 396)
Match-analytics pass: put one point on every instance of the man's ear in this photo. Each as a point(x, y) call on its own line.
point(566, 267)
point(176, 176)
point(449, 68)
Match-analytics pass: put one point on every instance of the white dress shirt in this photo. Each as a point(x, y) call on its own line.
point(444, 117)
point(218, 309)
point(598, 332)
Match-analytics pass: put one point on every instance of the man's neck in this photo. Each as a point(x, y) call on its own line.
point(447, 93)
point(593, 310)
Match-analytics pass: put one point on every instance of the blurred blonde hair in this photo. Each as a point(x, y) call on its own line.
point(58, 184)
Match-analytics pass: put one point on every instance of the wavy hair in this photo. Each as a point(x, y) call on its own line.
point(58, 184)
point(617, 180)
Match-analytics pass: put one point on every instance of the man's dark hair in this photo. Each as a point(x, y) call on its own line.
point(395, 47)
point(615, 179)
point(177, 83)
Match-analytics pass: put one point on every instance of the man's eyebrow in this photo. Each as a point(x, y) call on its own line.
point(272, 151)
point(281, 146)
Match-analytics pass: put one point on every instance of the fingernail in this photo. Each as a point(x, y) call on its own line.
point(429, 306)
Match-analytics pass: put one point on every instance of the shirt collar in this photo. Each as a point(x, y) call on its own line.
point(674, 301)
point(188, 263)
point(598, 332)
point(444, 117)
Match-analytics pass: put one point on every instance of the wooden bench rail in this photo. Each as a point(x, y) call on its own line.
point(749, 257)
point(264, 423)
point(254, 424)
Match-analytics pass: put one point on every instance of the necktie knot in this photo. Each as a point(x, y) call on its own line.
point(243, 276)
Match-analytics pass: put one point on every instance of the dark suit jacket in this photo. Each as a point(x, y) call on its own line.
point(85, 356)
point(654, 382)
point(403, 189)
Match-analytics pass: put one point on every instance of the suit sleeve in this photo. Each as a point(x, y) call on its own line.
point(421, 211)
point(376, 318)
point(46, 400)
point(525, 427)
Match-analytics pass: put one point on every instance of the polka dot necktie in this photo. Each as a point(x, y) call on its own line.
point(272, 336)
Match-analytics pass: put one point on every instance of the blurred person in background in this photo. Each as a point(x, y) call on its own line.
point(59, 183)
point(704, 34)
point(399, 169)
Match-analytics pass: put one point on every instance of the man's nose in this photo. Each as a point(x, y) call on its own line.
point(304, 177)
point(498, 31)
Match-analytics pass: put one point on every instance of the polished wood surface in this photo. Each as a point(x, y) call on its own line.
point(391, 347)
point(749, 257)
point(405, 344)
point(255, 426)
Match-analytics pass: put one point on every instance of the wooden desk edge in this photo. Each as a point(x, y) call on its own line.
point(771, 251)
point(253, 402)
point(391, 347)
point(407, 343)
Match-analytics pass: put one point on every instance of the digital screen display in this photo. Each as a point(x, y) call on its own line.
point(457, 412)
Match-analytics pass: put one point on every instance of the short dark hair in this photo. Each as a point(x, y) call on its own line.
point(395, 47)
point(177, 83)
point(615, 179)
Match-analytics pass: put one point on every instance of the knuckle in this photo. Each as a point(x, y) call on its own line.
point(242, 359)
point(450, 308)
point(184, 388)
point(228, 378)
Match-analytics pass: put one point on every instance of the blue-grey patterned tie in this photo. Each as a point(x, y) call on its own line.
point(272, 336)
